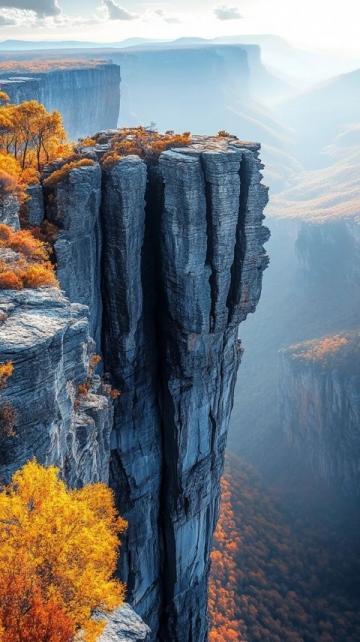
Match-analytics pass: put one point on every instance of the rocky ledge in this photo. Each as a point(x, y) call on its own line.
point(47, 340)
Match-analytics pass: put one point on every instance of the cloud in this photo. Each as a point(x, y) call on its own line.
point(6, 21)
point(42, 8)
point(224, 12)
point(117, 13)
point(168, 18)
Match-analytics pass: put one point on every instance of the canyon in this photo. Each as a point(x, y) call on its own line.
point(168, 260)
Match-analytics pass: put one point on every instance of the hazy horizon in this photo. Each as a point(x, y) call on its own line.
point(305, 24)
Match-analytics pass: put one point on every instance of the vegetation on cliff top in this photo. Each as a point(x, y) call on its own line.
point(140, 141)
point(272, 581)
point(338, 350)
point(40, 66)
point(58, 553)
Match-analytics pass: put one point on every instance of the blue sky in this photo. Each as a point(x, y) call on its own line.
point(322, 24)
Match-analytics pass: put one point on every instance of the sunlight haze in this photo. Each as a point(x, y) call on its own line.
point(317, 25)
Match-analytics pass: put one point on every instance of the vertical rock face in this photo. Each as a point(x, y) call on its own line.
point(321, 406)
point(191, 239)
point(88, 97)
point(73, 204)
point(47, 340)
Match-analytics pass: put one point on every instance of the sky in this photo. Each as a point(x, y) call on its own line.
point(316, 24)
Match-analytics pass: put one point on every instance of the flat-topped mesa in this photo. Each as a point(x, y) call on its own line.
point(321, 410)
point(86, 92)
point(165, 233)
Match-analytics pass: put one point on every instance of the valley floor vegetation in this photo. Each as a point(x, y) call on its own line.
point(272, 581)
point(58, 554)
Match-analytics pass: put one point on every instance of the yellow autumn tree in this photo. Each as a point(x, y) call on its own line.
point(62, 545)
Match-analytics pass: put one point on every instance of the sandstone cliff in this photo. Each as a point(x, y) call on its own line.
point(321, 406)
point(172, 251)
point(88, 97)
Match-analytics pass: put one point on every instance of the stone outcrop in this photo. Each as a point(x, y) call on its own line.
point(179, 246)
point(88, 97)
point(321, 406)
point(123, 625)
point(9, 211)
point(182, 267)
point(47, 339)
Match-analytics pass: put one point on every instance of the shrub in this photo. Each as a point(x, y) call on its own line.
point(7, 420)
point(59, 546)
point(38, 275)
point(31, 267)
point(61, 173)
point(6, 371)
point(142, 142)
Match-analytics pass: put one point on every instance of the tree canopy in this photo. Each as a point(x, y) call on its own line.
point(58, 553)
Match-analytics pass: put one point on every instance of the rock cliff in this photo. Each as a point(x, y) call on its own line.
point(180, 244)
point(88, 96)
point(321, 406)
point(48, 341)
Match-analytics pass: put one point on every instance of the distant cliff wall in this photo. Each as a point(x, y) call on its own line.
point(180, 245)
point(321, 406)
point(88, 98)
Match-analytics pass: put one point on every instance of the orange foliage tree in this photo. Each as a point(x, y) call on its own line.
point(58, 553)
point(30, 137)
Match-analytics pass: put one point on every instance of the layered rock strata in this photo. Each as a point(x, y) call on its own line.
point(180, 244)
point(321, 406)
point(47, 340)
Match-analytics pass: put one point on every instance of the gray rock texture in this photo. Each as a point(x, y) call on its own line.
point(124, 625)
point(321, 406)
point(73, 204)
point(182, 266)
point(47, 339)
point(35, 205)
point(87, 97)
point(168, 256)
point(9, 211)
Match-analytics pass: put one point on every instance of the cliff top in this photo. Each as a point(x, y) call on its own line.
point(338, 350)
point(44, 66)
point(113, 145)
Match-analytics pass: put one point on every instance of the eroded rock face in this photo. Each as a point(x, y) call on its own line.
point(321, 406)
point(191, 238)
point(73, 204)
point(47, 339)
